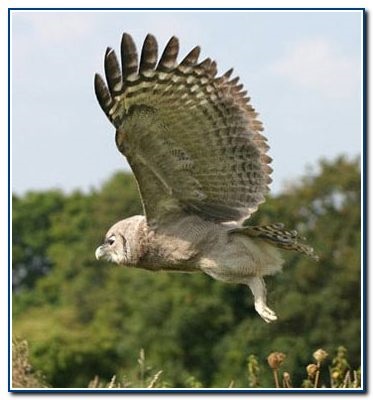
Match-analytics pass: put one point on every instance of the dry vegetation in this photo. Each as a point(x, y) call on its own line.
point(339, 375)
point(23, 375)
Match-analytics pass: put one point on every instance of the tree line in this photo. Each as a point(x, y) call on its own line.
point(84, 318)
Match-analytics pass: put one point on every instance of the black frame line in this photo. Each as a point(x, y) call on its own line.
point(364, 172)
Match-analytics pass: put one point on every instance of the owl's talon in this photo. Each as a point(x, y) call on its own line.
point(265, 312)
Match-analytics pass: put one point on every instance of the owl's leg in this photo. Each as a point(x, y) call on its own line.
point(258, 288)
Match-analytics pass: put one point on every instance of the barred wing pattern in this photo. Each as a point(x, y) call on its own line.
point(192, 139)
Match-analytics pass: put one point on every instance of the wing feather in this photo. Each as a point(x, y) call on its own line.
point(129, 56)
point(169, 56)
point(191, 138)
point(149, 54)
point(191, 58)
point(113, 73)
point(103, 95)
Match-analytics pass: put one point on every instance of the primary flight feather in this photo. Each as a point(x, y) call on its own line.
point(195, 146)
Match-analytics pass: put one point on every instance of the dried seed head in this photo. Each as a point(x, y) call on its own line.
point(311, 370)
point(287, 380)
point(276, 359)
point(335, 375)
point(320, 355)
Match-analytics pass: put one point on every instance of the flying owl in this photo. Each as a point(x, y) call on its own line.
point(200, 160)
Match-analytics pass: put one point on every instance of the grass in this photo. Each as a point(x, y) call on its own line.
point(340, 374)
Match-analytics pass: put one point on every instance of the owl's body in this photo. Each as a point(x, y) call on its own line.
point(192, 244)
point(196, 149)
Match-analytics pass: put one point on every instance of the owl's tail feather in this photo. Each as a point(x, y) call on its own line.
point(277, 235)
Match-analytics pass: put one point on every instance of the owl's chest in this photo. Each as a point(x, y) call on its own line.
point(180, 245)
point(170, 253)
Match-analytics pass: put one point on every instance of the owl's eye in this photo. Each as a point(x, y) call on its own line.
point(110, 240)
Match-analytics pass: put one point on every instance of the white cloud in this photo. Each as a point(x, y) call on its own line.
point(55, 27)
point(320, 65)
point(41, 39)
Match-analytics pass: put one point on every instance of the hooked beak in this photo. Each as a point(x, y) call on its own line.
point(100, 252)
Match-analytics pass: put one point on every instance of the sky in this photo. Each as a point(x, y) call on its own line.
point(302, 71)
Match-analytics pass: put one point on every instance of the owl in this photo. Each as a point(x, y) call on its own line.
point(199, 157)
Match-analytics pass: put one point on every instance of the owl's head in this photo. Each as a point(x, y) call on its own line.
point(124, 241)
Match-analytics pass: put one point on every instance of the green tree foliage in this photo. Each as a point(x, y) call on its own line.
point(84, 319)
point(32, 220)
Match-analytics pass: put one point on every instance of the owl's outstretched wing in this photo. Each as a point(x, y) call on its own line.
point(191, 138)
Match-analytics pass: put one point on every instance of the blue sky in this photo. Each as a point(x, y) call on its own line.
point(301, 69)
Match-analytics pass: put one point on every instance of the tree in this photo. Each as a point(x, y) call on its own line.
point(31, 222)
point(84, 319)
